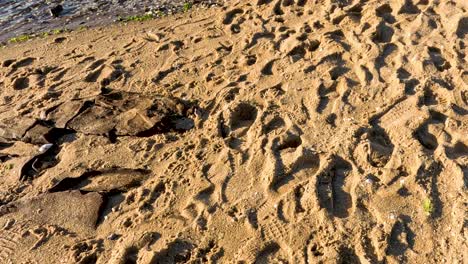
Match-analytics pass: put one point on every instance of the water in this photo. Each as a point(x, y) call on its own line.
point(18, 17)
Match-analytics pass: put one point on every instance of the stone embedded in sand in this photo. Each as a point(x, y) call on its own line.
point(60, 115)
point(36, 135)
point(111, 180)
point(96, 120)
point(71, 210)
point(130, 114)
point(15, 127)
point(132, 122)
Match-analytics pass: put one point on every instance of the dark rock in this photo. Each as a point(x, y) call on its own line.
point(124, 114)
point(56, 10)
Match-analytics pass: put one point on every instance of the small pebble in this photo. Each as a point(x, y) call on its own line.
point(45, 147)
point(56, 10)
point(43, 115)
point(113, 236)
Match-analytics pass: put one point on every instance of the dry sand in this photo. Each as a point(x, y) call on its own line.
point(269, 131)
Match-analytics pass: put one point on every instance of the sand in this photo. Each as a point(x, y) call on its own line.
point(266, 131)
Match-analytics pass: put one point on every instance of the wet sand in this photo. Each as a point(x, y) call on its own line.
point(34, 17)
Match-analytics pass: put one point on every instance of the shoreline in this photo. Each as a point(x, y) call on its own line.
point(55, 26)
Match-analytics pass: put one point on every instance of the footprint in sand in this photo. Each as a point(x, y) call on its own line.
point(239, 120)
point(332, 185)
point(21, 83)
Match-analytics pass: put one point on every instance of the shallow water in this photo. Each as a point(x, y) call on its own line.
point(19, 17)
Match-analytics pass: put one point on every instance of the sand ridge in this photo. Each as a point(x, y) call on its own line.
point(268, 131)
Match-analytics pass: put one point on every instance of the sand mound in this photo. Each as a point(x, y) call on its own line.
point(269, 131)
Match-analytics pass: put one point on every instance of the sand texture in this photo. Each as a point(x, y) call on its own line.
point(264, 131)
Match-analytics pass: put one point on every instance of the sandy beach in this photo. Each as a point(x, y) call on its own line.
point(266, 131)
